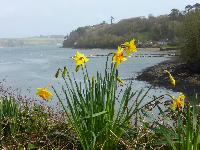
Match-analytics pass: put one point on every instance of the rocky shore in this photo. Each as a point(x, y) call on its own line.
point(186, 80)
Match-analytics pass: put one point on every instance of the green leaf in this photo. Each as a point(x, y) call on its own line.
point(95, 115)
point(31, 146)
point(77, 68)
point(64, 72)
point(57, 73)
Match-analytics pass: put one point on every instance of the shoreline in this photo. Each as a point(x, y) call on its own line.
point(186, 81)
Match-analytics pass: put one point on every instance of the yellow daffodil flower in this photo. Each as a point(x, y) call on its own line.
point(179, 102)
point(44, 93)
point(130, 47)
point(80, 59)
point(171, 78)
point(118, 57)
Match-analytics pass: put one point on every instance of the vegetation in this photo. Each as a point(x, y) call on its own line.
point(151, 31)
point(24, 124)
point(101, 112)
point(106, 35)
point(191, 34)
point(179, 29)
point(104, 119)
point(185, 131)
point(92, 109)
point(104, 112)
point(35, 129)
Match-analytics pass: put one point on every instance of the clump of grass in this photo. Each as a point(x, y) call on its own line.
point(98, 112)
point(9, 116)
point(183, 131)
point(28, 125)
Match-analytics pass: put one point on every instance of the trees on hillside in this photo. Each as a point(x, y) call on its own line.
point(191, 35)
point(160, 28)
point(188, 8)
point(143, 29)
point(175, 14)
point(196, 6)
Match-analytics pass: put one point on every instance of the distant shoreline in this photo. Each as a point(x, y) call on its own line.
point(32, 41)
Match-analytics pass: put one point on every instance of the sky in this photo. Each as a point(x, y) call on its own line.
point(25, 18)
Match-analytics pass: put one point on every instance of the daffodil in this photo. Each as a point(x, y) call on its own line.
point(118, 57)
point(171, 78)
point(80, 59)
point(130, 47)
point(179, 102)
point(44, 93)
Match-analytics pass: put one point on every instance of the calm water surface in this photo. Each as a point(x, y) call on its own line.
point(31, 67)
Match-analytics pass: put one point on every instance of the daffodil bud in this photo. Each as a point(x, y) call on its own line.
point(121, 82)
point(57, 73)
point(64, 73)
point(77, 68)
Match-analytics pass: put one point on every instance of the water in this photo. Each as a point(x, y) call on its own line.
point(32, 67)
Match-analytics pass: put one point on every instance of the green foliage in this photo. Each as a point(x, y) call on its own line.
point(191, 34)
point(9, 115)
point(34, 127)
point(161, 28)
point(166, 28)
point(99, 114)
point(184, 130)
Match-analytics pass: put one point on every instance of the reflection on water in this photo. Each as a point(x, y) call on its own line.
point(32, 67)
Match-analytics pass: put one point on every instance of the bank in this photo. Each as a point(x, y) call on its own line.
point(186, 80)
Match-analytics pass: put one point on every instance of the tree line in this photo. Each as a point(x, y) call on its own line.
point(190, 40)
point(180, 28)
point(165, 28)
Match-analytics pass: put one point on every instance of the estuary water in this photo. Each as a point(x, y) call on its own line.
point(27, 68)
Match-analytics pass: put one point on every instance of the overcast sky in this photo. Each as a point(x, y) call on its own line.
point(23, 18)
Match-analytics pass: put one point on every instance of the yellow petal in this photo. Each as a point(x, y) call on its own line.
point(44, 93)
point(80, 59)
point(179, 102)
point(173, 105)
point(118, 57)
point(181, 97)
point(130, 47)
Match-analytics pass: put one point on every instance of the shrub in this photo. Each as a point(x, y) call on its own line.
point(191, 35)
point(32, 126)
point(183, 130)
point(9, 116)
